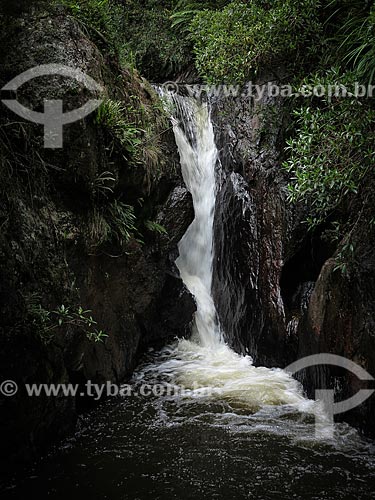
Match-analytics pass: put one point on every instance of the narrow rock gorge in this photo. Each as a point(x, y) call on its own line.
point(197, 233)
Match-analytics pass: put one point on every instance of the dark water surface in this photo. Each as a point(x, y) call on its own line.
point(185, 447)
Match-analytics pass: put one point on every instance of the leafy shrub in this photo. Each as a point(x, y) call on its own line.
point(47, 323)
point(331, 152)
point(186, 10)
point(79, 318)
point(233, 43)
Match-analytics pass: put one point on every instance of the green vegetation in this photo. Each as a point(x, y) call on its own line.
point(354, 23)
point(103, 20)
point(344, 256)
point(103, 182)
point(232, 44)
point(131, 119)
point(115, 223)
point(47, 323)
point(122, 222)
point(112, 115)
point(330, 152)
point(154, 121)
point(134, 131)
point(330, 149)
point(185, 11)
point(157, 50)
point(155, 227)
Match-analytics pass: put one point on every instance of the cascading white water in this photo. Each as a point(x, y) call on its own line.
point(198, 154)
point(205, 361)
point(220, 427)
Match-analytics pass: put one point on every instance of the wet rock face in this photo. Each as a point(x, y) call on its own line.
point(139, 298)
point(172, 315)
point(252, 228)
point(275, 286)
point(340, 317)
point(236, 267)
point(136, 296)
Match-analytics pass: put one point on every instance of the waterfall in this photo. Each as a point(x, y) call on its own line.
point(196, 144)
point(205, 361)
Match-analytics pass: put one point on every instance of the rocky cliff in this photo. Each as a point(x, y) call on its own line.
point(61, 214)
point(279, 289)
point(255, 231)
